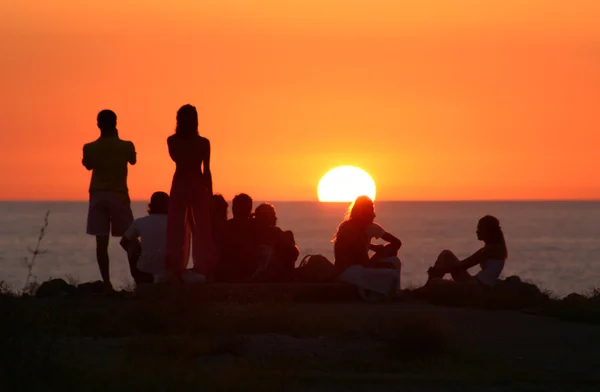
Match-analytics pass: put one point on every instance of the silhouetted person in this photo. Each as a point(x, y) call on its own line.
point(147, 258)
point(490, 258)
point(189, 208)
point(110, 207)
point(218, 217)
point(241, 207)
point(352, 243)
point(238, 248)
point(277, 250)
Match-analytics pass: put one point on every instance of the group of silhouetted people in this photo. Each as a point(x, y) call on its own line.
point(249, 246)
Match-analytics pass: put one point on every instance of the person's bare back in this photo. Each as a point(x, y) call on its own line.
point(188, 152)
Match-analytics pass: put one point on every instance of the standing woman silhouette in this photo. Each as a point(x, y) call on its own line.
point(189, 206)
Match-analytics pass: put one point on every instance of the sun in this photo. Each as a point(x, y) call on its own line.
point(345, 184)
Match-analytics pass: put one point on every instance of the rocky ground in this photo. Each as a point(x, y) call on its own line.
point(297, 338)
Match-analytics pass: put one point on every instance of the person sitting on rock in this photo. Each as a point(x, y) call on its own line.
point(277, 250)
point(491, 258)
point(380, 273)
point(147, 257)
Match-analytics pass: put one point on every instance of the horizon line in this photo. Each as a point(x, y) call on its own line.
point(317, 201)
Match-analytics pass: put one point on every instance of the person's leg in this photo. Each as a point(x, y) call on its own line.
point(98, 225)
point(390, 263)
point(102, 258)
point(178, 232)
point(121, 218)
point(134, 251)
point(204, 251)
point(447, 260)
point(377, 280)
point(388, 250)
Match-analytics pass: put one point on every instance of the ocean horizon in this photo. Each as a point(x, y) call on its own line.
point(552, 243)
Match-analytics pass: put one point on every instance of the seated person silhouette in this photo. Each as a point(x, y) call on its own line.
point(277, 250)
point(490, 258)
point(218, 217)
point(375, 276)
point(238, 250)
point(147, 257)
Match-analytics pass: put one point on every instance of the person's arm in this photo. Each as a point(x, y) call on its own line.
point(476, 258)
point(86, 161)
point(131, 236)
point(376, 231)
point(132, 155)
point(289, 244)
point(395, 242)
point(206, 165)
point(376, 247)
point(172, 149)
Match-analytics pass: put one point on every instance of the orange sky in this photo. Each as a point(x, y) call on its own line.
point(438, 99)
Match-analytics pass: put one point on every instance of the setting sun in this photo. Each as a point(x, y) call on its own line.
point(344, 184)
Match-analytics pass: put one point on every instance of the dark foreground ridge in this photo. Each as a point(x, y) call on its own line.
point(280, 337)
point(511, 293)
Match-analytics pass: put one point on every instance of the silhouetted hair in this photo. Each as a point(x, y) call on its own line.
point(187, 121)
point(219, 206)
point(492, 230)
point(361, 209)
point(241, 205)
point(159, 203)
point(107, 122)
point(360, 212)
point(263, 212)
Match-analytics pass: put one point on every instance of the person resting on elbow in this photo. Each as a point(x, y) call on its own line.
point(491, 258)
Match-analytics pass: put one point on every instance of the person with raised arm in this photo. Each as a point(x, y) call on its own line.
point(110, 206)
point(190, 201)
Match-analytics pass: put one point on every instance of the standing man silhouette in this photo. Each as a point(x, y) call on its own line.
point(110, 207)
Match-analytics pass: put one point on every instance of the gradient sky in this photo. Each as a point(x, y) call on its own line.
point(436, 99)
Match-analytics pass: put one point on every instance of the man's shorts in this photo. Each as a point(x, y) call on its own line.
point(108, 213)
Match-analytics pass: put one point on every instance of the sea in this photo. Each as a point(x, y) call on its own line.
point(554, 244)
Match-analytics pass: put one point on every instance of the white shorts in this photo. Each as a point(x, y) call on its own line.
point(108, 213)
point(379, 280)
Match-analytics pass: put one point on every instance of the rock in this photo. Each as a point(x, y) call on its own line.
point(575, 299)
point(55, 288)
point(513, 293)
point(91, 288)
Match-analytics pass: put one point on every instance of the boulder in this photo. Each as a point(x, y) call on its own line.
point(55, 288)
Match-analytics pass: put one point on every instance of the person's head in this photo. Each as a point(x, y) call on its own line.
point(360, 213)
point(362, 210)
point(265, 215)
point(159, 203)
point(241, 207)
point(107, 122)
point(489, 230)
point(187, 121)
point(219, 206)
